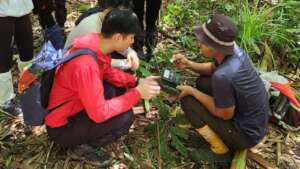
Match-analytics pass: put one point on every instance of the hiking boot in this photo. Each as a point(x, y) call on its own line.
point(93, 154)
point(12, 108)
point(7, 94)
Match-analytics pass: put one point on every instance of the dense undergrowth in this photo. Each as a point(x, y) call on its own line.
point(269, 33)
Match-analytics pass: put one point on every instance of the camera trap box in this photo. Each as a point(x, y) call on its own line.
point(169, 80)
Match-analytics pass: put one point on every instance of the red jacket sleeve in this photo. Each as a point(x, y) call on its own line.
point(90, 91)
point(119, 78)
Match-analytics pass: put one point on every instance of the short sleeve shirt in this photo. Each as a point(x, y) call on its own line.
point(236, 83)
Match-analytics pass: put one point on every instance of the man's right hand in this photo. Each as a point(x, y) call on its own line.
point(180, 61)
point(149, 87)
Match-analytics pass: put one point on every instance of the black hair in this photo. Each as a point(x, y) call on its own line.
point(122, 21)
point(104, 4)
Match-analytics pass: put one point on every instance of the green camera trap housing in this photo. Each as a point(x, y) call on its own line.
point(169, 80)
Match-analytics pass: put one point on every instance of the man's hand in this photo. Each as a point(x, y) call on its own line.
point(133, 60)
point(180, 61)
point(149, 87)
point(185, 91)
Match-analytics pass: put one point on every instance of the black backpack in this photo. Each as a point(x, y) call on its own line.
point(35, 97)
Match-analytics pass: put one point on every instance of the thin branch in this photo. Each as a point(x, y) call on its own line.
point(48, 154)
point(6, 113)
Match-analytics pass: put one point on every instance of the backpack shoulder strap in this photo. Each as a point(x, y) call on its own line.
point(79, 52)
point(88, 13)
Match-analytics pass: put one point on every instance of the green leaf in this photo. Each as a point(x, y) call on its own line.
point(269, 52)
point(256, 48)
point(178, 145)
point(151, 129)
point(84, 7)
point(146, 105)
point(228, 7)
point(267, 59)
point(180, 132)
point(144, 72)
point(8, 161)
point(165, 152)
point(129, 157)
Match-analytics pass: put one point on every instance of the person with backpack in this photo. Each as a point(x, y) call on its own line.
point(86, 111)
point(149, 39)
point(44, 8)
point(229, 106)
point(15, 27)
point(91, 21)
point(53, 29)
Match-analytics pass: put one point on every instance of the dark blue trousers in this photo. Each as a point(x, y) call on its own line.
point(82, 130)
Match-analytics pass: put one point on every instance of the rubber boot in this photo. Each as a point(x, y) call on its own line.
point(6, 88)
point(7, 95)
point(216, 144)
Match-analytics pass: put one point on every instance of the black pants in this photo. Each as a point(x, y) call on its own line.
point(43, 9)
point(152, 12)
point(82, 130)
point(199, 116)
point(19, 28)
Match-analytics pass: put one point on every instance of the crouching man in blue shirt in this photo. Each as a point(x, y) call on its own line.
point(229, 106)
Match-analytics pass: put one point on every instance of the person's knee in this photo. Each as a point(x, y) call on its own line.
point(127, 119)
point(186, 101)
point(193, 111)
point(124, 122)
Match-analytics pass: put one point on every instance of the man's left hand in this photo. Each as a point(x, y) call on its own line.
point(133, 60)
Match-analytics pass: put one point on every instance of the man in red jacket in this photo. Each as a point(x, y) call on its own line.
point(91, 110)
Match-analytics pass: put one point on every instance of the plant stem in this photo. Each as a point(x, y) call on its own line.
point(158, 137)
point(6, 113)
point(47, 156)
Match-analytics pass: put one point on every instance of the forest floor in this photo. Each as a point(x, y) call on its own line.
point(23, 148)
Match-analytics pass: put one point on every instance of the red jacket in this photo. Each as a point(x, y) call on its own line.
point(79, 85)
